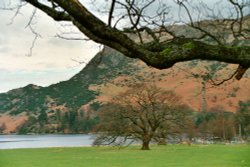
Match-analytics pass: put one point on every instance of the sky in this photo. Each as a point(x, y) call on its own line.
point(52, 58)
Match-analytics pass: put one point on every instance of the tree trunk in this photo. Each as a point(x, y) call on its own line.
point(203, 97)
point(145, 145)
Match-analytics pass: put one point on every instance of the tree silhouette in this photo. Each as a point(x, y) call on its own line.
point(144, 113)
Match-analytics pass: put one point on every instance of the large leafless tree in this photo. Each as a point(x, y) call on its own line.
point(145, 113)
point(224, 36)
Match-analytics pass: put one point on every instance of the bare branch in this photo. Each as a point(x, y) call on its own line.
point(80, 62)
point(71, 38)
point(34, 40)
point(111, 12)
point(214, 83)
point(197, 24)
point(36, 35)
point(56, 15)
point(16, 13)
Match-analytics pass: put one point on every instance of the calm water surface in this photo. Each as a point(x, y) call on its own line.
point(42, 141)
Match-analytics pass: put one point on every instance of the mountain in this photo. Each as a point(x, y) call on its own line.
point(52, 109)
point(65, 96)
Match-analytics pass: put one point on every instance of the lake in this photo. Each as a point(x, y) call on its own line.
point(41, 141)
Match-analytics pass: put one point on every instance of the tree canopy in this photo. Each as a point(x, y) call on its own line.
point(145, 113)
point(146, 29)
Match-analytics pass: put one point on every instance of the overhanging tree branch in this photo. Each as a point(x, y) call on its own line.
point(157, 54)
point(56, 15)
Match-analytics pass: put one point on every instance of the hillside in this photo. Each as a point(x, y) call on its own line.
point(20, 104)
point(53, 109)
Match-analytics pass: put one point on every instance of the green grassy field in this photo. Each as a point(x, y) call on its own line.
point(159, 156)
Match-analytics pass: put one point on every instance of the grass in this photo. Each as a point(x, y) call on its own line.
point(159, 156)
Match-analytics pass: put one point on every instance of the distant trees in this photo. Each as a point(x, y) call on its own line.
point(2, 127)
point(42, 118)
point(222, 124)
point(77, 122)
point(243, 119)
point(145, 113)
point(57, 121)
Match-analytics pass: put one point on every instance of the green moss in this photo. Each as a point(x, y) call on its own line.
point(166, 51)
point(188, 46)
point(231, 46)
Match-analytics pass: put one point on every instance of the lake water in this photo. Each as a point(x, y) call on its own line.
point(42, 141)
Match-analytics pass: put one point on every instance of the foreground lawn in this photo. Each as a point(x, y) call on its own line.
point(159, 156)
